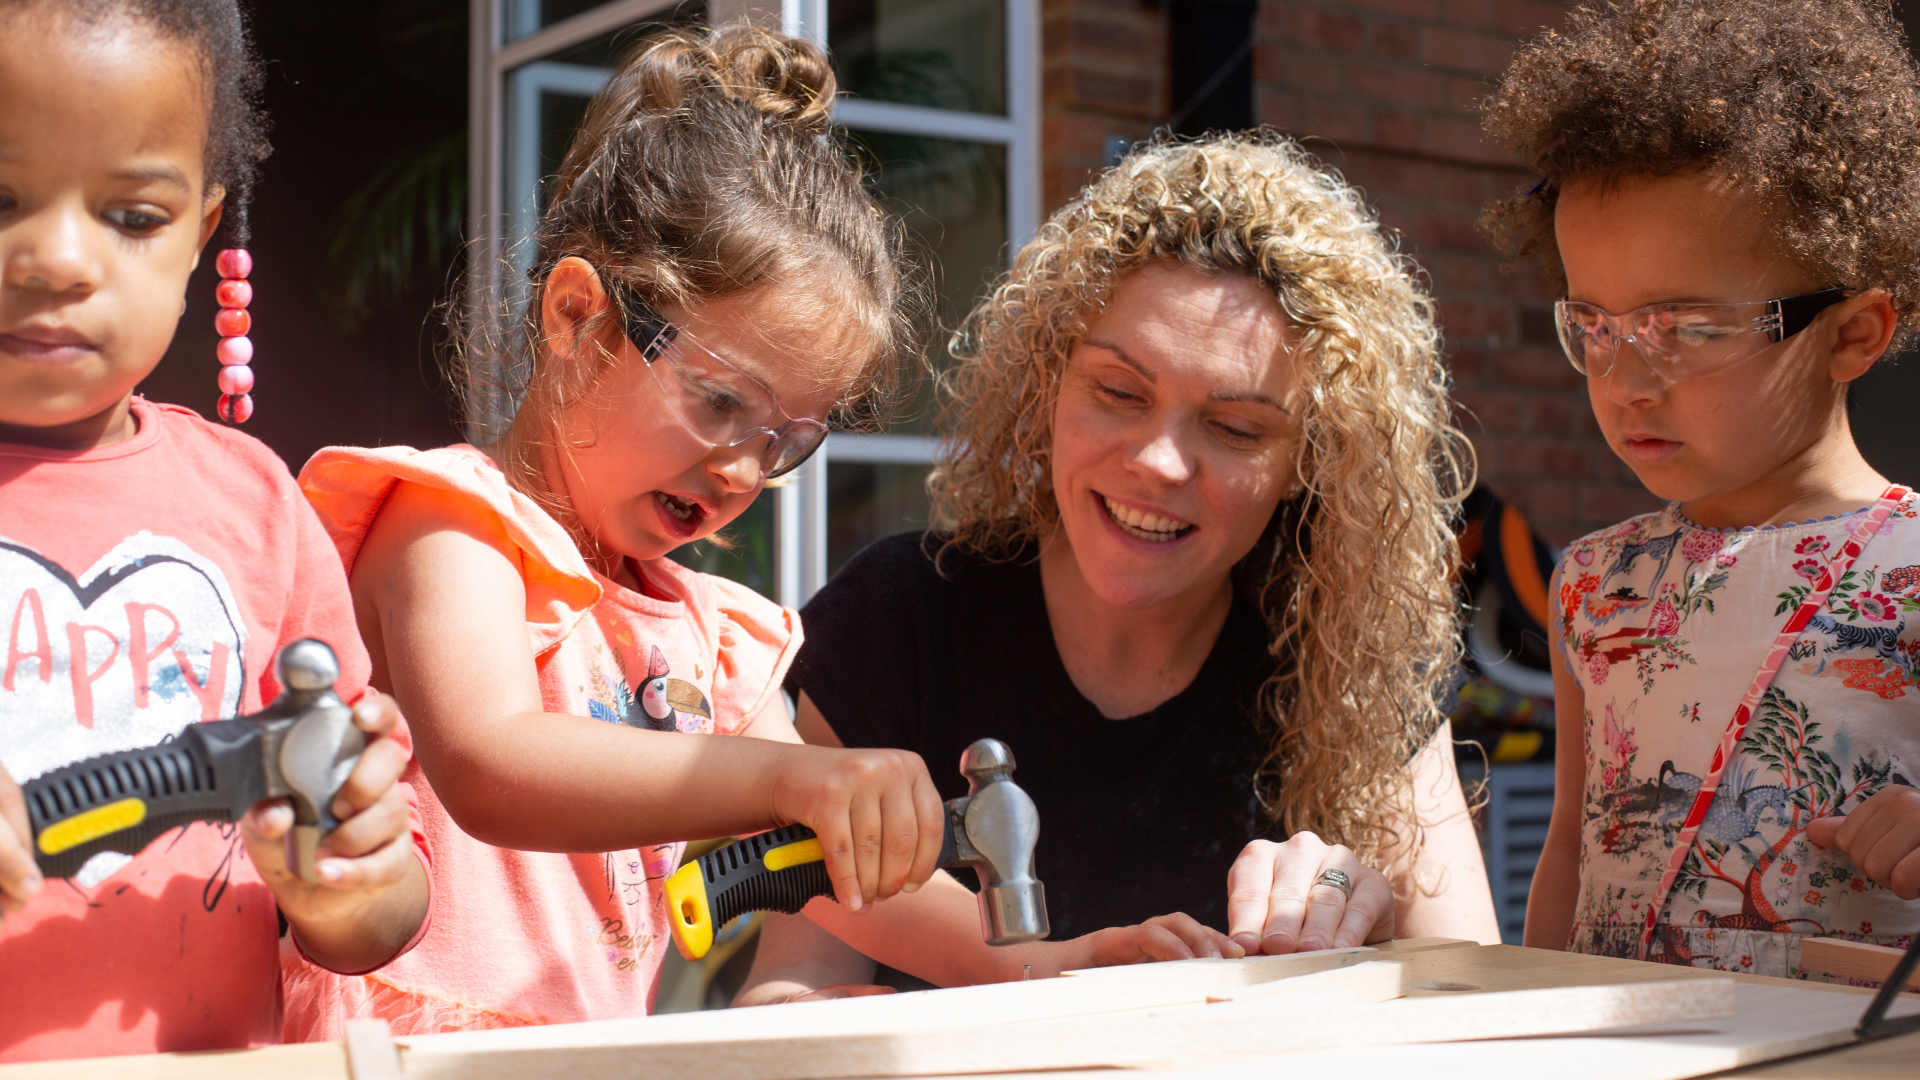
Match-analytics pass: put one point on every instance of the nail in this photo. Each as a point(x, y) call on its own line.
point(1277, 944)
point(911, 886)
point(1247, 942)
point(1238, 950)
point(31, 886)
point(854, 903)
point(331, 871)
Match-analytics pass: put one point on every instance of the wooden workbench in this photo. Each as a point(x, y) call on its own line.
point(1434, 971)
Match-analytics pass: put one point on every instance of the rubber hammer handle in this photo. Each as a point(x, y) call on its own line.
point(774, 871)
point(124, 801)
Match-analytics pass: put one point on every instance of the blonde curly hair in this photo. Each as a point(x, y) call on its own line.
point(1354, 574)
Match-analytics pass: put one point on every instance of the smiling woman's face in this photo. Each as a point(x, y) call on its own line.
point(1172, 440)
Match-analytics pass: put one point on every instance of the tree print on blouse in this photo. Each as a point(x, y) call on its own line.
point(1786, 740)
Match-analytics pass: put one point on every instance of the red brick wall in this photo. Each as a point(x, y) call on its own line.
point(1384, 90)
point(1103, 72)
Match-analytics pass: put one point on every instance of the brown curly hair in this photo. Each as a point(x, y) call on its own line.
point(1354, 574)
point(1811, 104)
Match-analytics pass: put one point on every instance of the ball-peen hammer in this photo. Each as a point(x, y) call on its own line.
point(301, 747)
point(992, 828)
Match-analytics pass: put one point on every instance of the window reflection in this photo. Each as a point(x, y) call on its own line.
point(952, 197)
point(868, 502)
point(943, 54)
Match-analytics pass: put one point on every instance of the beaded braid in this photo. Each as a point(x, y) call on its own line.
point(236, 144)
point(236, 349)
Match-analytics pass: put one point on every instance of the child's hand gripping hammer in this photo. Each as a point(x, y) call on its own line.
point(301, 747)
point(992, 828)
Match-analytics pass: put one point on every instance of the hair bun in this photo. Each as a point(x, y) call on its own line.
point(781, 78)
point(785, 78)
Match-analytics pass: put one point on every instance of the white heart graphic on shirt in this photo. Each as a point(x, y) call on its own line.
point(124, 655)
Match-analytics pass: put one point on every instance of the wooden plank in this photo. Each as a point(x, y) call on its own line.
point(300, 1061)
point(371, 1054)
point(1282, 1025)
point(1104, 990)
point(1773, 1019)
point(1398, 947)
point(1852, 960)
point(1361, 984)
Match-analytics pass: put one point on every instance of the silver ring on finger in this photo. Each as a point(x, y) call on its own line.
point(1338, 879)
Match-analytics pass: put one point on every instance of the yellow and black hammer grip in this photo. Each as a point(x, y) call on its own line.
point(774, 871)
point(123, 802)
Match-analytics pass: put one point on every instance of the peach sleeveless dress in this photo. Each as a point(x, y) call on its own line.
point(522, 937)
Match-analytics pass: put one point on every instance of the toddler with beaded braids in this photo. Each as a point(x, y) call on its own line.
point(153, 563)
point(1730, 205)
point(713, 283)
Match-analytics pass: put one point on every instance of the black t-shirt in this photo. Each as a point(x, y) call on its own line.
point(1138, 817)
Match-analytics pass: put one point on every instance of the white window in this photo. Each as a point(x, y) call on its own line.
point(944, 106)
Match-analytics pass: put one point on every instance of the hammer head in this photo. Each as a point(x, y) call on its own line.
point(993, 828)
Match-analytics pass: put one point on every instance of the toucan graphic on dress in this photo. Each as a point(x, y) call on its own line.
point(665, 704)
point(301, 747)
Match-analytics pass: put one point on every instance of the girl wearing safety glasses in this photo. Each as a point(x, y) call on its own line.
point(1732, 206)
point(715, 284)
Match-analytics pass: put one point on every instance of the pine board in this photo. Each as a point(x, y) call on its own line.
point(1286, 1024)
point(1428, 964)
point(1853, 960)
point(1771, 1022)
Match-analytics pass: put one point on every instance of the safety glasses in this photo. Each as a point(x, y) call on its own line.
point(719, 403)
point(1684, 341)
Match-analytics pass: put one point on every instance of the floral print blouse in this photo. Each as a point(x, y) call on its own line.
point(1664, 623)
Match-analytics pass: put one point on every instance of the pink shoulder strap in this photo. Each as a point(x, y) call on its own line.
point(1796, 623)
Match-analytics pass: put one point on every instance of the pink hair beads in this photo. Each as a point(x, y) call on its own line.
point(236, 349)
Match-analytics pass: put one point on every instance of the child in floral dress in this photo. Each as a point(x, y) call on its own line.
point(1739, 705)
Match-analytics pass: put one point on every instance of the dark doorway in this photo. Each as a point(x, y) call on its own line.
point(1212, 45)
point(356, 91)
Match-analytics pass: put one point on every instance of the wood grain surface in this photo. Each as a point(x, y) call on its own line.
point(1432, 970)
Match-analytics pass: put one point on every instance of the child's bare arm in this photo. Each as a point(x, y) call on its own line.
point(1445, 893)
point(439, 596)
point(372, 895)
point(1556, 880)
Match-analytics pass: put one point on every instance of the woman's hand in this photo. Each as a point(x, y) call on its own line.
point(372, 892)
point(20, 879)
point(1276, 904)
point(1881, 836)
point(1164, 937)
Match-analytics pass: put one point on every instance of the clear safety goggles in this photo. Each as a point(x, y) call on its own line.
point(720, 404)
point(1684, 341)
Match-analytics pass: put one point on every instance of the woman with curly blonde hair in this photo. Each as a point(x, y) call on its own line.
point(1192, 563)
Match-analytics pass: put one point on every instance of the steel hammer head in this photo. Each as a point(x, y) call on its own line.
point(993, 828)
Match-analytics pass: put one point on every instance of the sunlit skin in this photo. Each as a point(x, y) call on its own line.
point(1761, 443)
point(457, 658)
point(97, 235)
point(104, 208)
point(621, 447)
point(1178, 403)
point(1174, 404)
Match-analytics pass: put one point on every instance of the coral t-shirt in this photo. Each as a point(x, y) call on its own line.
point(145, 586)
point(528, 937)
